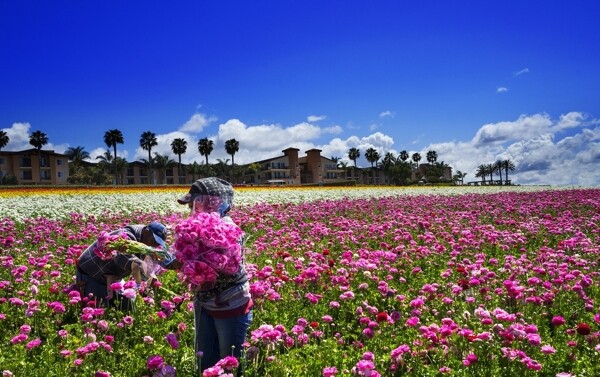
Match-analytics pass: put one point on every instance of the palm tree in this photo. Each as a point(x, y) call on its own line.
point(179, 147)
point(221, 167)
point(76, 155)
point(354, 154)
point(404, 155)
point(194, 169)
point(431, 156)
point(372, 155)
point(334, 159)
point(459, 176)
point(481, 172)
point(111, 139)
point(205, 147)
point(122, 165)
point(38, 139)
point(4, 139)
point(490, 170)
point(162, 164)
point(508, 165)
point(147, 141)
point(416, 157)
point(388, 161)
point(498, 169)
point(106, 160)
point(231, 147)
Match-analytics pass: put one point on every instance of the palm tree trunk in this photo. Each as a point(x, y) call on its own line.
point(115, 162)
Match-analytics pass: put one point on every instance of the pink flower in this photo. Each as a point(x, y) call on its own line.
point(228, 363)
point(557, 321)
point(172, 340)
point(548, 350)
point(207, 246)
point(34, 343)
point(212, 372)
point(18, 339)
point(412, 321)
point(329, 371)
point(199, 273)
point(155, 362)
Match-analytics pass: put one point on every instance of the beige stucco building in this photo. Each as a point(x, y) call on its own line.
point(34, 166)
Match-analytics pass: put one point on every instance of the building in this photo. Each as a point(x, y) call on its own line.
point(33, 166)
point(49, 168)
point(290, 169)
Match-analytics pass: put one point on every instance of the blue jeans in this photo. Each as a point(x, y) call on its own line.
point(217, 338)
point(99, 290)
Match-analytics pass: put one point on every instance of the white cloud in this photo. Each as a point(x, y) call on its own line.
point(570, 120)
point(502, 89)
point(521, 72)
point(315, 118)
point(526, 127)
point(334, 130)
point(387, 114)
point(531, 143)
point(18, 139)
point(197, 123)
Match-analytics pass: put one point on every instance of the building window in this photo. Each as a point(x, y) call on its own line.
point(26, 175)
point(1, 161)
point(60, 174)
point(25, 162)
point(59, 162)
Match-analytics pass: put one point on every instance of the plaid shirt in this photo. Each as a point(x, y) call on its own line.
point(120, 266)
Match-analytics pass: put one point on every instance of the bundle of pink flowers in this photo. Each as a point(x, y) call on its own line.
point(207, 246)
point(108, 245)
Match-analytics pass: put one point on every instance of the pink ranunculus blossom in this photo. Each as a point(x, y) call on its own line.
point(34, 343)
point(228, 363)
point(207, 247)
point(172, 340)
point(155, 362)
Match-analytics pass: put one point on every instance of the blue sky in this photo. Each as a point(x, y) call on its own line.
point(474, 81)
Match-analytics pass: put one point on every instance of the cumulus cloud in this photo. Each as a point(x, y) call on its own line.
point(525, 127)
point(533, 145)
point(387, 114)
point(502, 89)
point(197, 123)
point(18, 135)
point(570, 120)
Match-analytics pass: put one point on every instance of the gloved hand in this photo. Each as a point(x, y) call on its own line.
point(223, 209)
point(168, 258)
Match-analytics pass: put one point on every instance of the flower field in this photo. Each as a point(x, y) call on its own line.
point(346, 282)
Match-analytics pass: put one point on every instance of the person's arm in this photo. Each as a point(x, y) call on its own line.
point(137, 271)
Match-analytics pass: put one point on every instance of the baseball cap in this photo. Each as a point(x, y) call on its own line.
point(159, 231)
point(211, 186)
